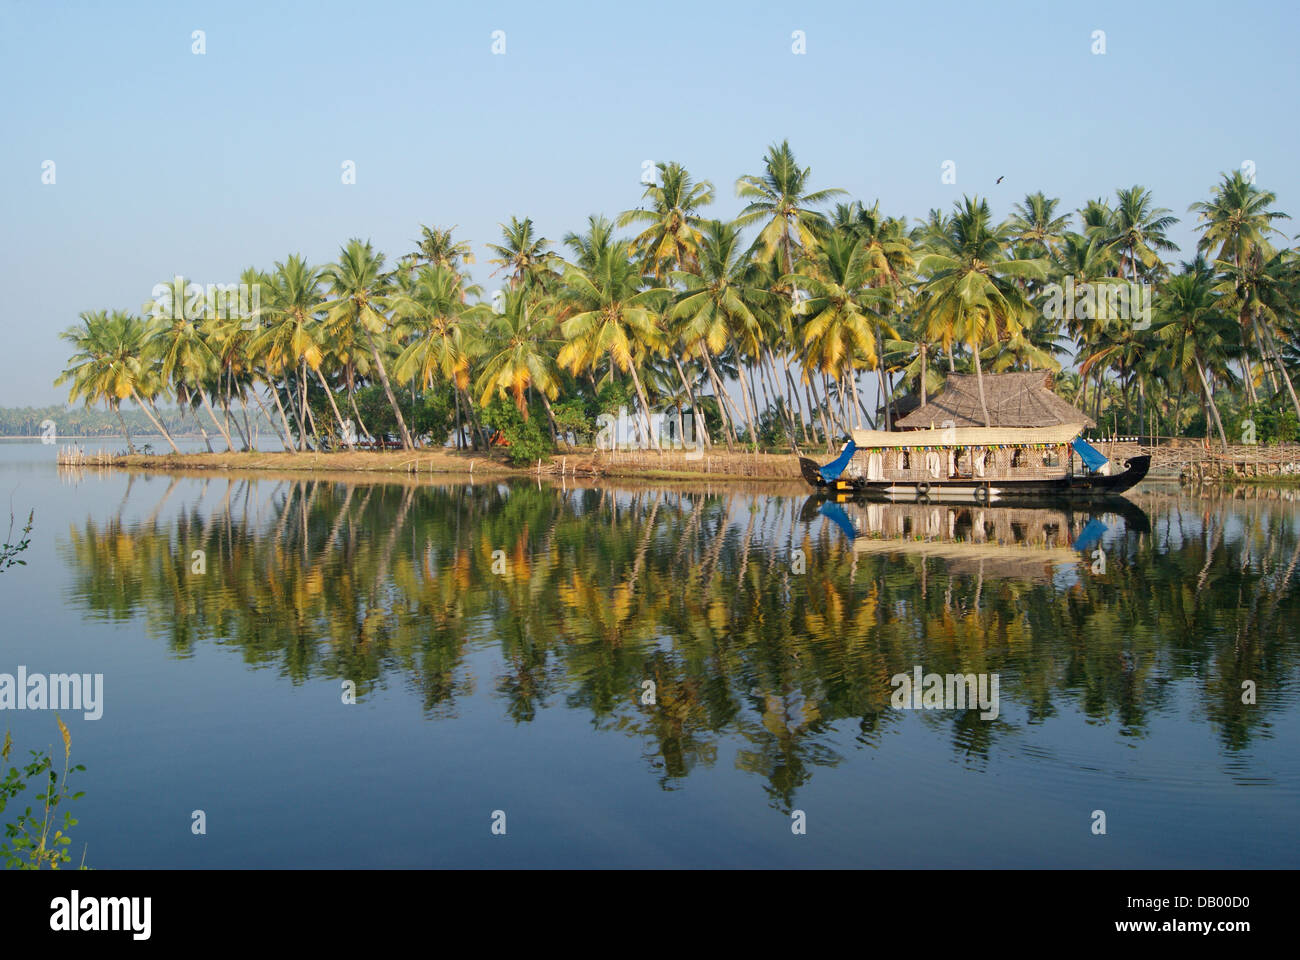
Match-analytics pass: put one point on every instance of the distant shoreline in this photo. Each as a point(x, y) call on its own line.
point(103, 436)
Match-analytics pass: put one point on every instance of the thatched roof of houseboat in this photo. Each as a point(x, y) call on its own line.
point(1022, 399)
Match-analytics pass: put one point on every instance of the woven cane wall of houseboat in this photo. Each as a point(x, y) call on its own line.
point(1030, 467)
point(917, 469)
point(997, 464)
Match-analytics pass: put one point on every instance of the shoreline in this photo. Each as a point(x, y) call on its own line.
point(578, 464)
point(581, 463)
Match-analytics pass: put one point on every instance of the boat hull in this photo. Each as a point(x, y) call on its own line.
point(984, 491)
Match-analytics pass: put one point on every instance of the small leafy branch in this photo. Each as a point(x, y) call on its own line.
point(9, 551)
point(28, 843)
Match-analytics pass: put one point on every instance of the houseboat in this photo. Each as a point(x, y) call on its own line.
point(1019, 440)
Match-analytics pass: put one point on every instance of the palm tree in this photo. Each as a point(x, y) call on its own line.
point(1196, 331)
point(1087, 260)
point(107, 365)
point(1238, 221)
point(1098, 220)
point(439, 327)
point(611, 316)
point(1126, 348)
point(1262, 289)
point(360, 290)
point(437, 249)
point(779, 200)
point(180, 344)
point(772, 297)
point(291, 338)
point(1140, 231)
point(671, 238)
point(712, 306)
point(518, 351)
point(232, 335)
point(935, 226)
point(588, 248)
point(843, 313)
point(971, 294)
point(1035, 223)
point(890, 255)
point(524, 255)
point(886, 243)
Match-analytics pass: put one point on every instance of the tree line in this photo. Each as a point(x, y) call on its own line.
point(767, 330)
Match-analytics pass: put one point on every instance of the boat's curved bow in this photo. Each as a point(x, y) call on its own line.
point(811, 471)
point(1135, 471)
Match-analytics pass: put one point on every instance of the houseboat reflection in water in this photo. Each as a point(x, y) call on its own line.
point(1010, 541)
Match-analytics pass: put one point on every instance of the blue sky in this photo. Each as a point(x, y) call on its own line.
point(169, 162)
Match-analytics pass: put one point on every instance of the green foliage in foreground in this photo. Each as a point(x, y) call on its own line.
point(28, 842)
point(9, 551)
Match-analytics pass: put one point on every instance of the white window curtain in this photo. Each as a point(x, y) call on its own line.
point(875, 470)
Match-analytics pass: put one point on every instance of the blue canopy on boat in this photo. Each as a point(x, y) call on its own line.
point(833, 469)
point(1091, 456)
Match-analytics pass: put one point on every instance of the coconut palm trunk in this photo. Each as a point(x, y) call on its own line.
point(695, 407)
point(388, 390)
point(311, 421)
point(792, 395)
point(724, 399)
point(156, 420)
point(212, 415)
point(248, 427)
point(550, 417)
point(773, 381)
point(288, 430)
point(363, 430)
point(1209, 399)
point(343, 430)
point(291, 395)
point(645, 404)
point(117, 408)
point(1247, 368)
point(284, 438)
point(745, 398)
point(1281, 367)
point(924, 370)
point(813, 411)
point(243, 438)
point(460, 430)
point(979, 379)
point(728, 431)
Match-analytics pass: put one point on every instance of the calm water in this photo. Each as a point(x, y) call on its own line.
point(499, 637)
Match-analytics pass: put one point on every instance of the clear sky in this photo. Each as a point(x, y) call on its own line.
point(169, 162)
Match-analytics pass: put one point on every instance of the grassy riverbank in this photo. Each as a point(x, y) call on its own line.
point(670, 465)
